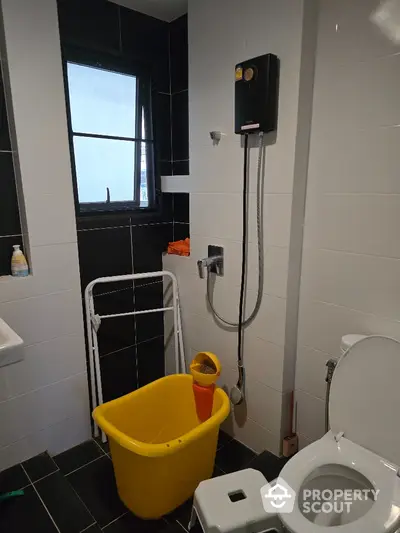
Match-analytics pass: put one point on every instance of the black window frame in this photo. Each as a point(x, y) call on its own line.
point(111, 63)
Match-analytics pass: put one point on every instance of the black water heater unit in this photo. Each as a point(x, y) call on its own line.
point(256, 94)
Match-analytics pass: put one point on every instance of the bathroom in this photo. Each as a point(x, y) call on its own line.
point(331, 213)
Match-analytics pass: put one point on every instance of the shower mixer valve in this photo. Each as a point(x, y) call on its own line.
point(214, 262)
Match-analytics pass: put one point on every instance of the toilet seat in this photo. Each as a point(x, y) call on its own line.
point(385, 512)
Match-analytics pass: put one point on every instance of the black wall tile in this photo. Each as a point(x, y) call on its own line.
point(93, 24)
point(150, 355)
point(5, 143)
point(118, 373)
point(145, 39)
point(6, 250)
point(180, 168)
point(179, 54)
point(162, 125)
point(9, 214)
point(67, 510)
point(181, 207)
point(115, 333)
point(165, 168)
point(149, 242)
point(150, 325)
point(105, 252)
point(180, 126)
point(102, 221)
point(181, 231)
point(167, 206)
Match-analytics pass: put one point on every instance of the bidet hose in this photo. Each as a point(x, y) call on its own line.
point(260, 241)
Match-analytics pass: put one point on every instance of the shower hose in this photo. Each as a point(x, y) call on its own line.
point(260, 248)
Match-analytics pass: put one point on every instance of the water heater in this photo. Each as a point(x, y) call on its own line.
point(256, 94)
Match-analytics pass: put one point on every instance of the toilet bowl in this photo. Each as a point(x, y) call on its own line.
point(348, 481)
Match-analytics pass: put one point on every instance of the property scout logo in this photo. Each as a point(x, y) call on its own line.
point(279, 497)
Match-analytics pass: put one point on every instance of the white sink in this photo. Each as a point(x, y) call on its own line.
point(10, 345)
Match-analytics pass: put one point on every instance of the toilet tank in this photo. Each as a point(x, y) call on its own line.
point(348, 341)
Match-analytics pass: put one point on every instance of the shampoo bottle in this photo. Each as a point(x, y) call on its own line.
point(19, 266)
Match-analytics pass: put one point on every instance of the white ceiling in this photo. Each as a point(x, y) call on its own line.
point(162, 9)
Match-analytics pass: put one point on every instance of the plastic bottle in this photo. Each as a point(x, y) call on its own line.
point(19, 265)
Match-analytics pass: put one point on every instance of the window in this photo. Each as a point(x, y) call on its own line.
point(111, 138)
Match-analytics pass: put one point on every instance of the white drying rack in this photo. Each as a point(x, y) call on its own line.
point(93, 322)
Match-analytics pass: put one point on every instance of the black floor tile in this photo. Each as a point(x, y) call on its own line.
point(223, 439)
point(25, 513)
point(234, 456)
point(95, 485)
point(104, 445)
point(217, 472)
point(13, 478)
point(268, 464)
point(129, 523)
point(182, 513)
point(67, 510)
point(39, 466)
point(93, 529)
point(78, 456)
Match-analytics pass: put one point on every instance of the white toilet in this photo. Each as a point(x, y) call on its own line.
point(362, 448)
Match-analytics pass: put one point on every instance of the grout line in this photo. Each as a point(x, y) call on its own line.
point(86, 528)
point(83, 504)
point(47, 475)
point(99, 446)
point(83, 466)
point(115, 519)
point(177, 521)
point(107, 227)
point(40, 498)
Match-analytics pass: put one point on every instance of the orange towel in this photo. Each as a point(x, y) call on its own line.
point(179, 247)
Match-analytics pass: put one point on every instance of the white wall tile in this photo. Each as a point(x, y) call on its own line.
point(252, 435)
point(56, 439)
point(348, 35)
point(215, 215)
point(46, 307)
point(363, 95)
point(46, 363)
point(264, 361)
point(215, 200)
point(46, 277)
point(310, 415)
point(356, 170)
point(359, 223)
point(264, 405)
point(329, 276)
point(322, 325)
point(277, 216)
point(45, 317)
point(269, 323)
point(32, 412)
point(311, 371)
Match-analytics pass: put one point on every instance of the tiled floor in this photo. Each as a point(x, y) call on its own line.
point(75, 492)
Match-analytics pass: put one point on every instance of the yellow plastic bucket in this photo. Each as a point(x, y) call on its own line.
point(159, 450)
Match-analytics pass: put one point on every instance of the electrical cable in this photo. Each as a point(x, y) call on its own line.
point(237, 392)
point(260, 239)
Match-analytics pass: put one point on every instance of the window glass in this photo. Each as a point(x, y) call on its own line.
point(102, 102)
point(102, 164)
